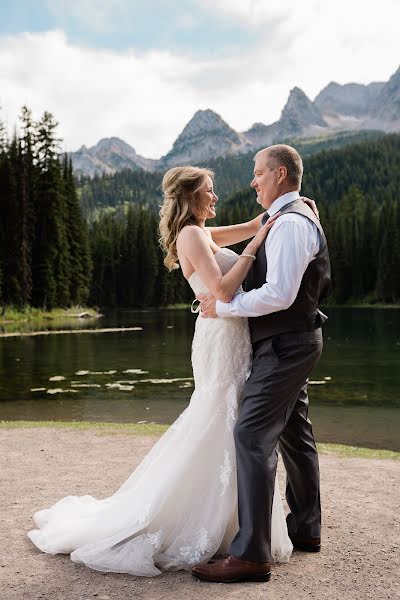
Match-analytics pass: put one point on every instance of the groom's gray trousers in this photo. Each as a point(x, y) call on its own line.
point(274, 411)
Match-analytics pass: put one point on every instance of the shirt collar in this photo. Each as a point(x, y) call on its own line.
point(282, 201)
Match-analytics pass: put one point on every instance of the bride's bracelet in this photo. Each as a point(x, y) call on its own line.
point(248, 255)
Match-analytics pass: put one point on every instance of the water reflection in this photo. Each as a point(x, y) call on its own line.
point(145, 374)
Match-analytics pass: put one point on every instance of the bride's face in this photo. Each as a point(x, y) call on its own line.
point(207, 199)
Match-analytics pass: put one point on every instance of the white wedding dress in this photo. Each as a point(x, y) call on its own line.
point(179, 507)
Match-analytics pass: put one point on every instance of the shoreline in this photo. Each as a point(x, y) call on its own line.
point(35, 321)
point(63, 331)
point(33, 315)
point(157, 429)
point(361, 305)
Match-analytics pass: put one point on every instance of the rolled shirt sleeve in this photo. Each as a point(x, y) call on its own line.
point(290, 246)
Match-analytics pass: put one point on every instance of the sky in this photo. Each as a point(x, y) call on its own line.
point(140, 69)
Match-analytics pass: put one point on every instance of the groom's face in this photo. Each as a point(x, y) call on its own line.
point(265, 181)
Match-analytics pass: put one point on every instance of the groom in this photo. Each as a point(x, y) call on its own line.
point(288, 279)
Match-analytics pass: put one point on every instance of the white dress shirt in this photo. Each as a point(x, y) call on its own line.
point(291, 244)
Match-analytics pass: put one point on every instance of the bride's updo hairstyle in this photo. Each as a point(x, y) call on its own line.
point(180, 186)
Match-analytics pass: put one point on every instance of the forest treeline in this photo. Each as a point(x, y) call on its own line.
point(44, 246)
point(329, 171)
point(50, 255)
point(128, 269)
point(123, 187)
point(373, 166)
point(363, 238)
point(356, 188)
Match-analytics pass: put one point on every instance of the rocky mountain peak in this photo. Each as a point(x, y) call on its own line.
point(113, 143)
point(297, 94)
point(388, 102)
point(208, 122)
point(299, 114)
point(351, 99)
point(337, 108)
point(206, 134)
point(108, 156)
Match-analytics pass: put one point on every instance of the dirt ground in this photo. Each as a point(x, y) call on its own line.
point(360, 557)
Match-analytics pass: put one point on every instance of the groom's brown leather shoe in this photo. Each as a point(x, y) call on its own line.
point(306, 544)
point(231, 570)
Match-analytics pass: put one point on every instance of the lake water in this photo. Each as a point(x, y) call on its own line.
point(145, 375)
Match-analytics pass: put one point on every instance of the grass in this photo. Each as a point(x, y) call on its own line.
point(360, 305)
point(124, 428)
point(36, 314)
point(180, 306)
point(355, 451)
point(155, 429)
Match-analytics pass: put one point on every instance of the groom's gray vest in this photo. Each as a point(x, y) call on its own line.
point(303, 314)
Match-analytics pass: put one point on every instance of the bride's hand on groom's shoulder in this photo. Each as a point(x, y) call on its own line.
point(261, 234)
point(312, 204)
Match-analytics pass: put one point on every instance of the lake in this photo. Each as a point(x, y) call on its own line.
point(145, 375)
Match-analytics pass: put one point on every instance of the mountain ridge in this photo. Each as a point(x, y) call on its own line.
point(337, 108)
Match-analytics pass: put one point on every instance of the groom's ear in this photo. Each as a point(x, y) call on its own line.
point(282, 173)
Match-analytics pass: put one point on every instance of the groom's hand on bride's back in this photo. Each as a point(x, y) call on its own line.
point(207, 305)
point(312, 204)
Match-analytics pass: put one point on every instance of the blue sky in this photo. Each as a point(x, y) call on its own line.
point(181, 26)
point(139, 69)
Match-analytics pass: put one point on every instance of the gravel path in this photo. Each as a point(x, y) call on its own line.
point(360, 558)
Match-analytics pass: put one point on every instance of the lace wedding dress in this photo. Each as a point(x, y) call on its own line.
point(179, 507)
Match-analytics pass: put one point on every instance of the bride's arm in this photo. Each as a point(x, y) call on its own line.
point(192, 243)
point(227, 235)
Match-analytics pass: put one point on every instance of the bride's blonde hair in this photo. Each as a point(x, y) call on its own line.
point(181, 189)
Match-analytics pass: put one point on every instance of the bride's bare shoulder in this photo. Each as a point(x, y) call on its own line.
point(189, 234)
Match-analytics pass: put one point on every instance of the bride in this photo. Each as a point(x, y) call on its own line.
point(179, 507)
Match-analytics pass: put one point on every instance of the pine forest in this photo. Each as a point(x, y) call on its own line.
point(66, 241)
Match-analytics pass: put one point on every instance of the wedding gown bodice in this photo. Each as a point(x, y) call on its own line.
point(213, 336)
point(179, 506)
point(225, 258)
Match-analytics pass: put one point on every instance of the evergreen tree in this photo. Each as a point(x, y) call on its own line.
point(100, 252)
point(388, 261)
point(3, 184)
point(9, 234)
point(130, 258)
point(77, 239)
point(3, 137)
point(352, 210)
point(46, 259)
point(396, 252)
point(148, 263)
point(27, 180)
point(369, 248)
point(51, 265)
point(1, 288)
point(106, 245)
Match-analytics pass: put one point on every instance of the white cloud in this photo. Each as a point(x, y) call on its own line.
point(344, 40)
point(252, 13)
point(96, 93)
point(147, 98)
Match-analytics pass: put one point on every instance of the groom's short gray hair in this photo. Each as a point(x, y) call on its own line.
point(284, 155)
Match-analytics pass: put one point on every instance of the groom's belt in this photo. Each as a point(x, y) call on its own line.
point(284, 322)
